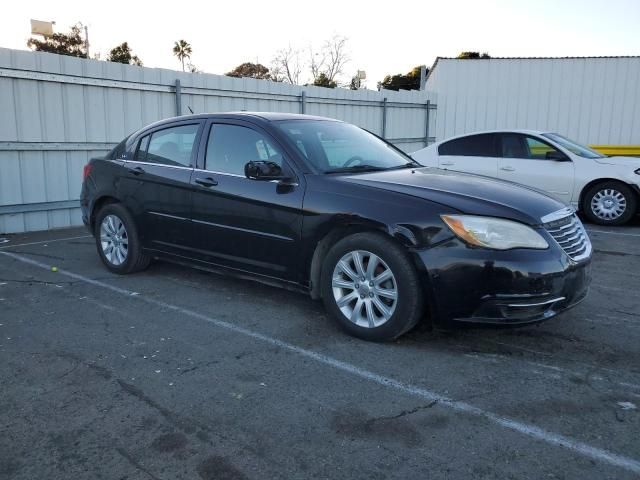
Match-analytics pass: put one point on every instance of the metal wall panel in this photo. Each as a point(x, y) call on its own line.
point(57, 112)
point(592, 100)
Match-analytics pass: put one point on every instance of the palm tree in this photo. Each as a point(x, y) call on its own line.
point(182, 50)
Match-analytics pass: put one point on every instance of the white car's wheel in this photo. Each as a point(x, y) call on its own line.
point(609, 203)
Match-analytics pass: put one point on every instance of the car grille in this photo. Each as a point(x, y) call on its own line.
point(571, 236)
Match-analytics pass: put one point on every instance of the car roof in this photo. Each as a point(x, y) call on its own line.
point(501, 130)
point(261, 116)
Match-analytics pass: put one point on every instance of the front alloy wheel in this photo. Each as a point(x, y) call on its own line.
point(365, 289)
point(371, 287)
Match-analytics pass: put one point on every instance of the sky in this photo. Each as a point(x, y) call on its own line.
point(383, 37)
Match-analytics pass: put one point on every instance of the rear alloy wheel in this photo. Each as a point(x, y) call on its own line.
point(370, 286)
point(609, 203)
point(117, 240)
point(114, 240)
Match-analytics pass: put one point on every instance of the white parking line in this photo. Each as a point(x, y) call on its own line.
point(614, 233)
point(45, 241)
point(530, 430)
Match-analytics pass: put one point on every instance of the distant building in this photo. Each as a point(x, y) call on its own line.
point(594, 100)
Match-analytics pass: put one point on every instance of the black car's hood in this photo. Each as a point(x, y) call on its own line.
point(470, 194)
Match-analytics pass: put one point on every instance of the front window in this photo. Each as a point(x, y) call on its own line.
point(339, 147)
point(231, 147)
point(574, 147)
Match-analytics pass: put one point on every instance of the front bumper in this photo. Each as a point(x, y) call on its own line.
point(512, 287)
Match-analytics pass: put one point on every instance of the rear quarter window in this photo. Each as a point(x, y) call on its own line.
point(119, 151)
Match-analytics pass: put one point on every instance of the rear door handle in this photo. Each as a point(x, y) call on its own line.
point(508, 169)
point(206, 182)
point(136, 170)
point(447, 163)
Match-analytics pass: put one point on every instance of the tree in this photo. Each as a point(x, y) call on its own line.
point(251, 70)
point(182, 50)
point(287, 66)
point(410, 81)
point(323, 80)
point(123, 54)
point(330, 60)
point(472, 55)
point(71, 43)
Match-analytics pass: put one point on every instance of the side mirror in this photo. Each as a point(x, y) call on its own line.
point(556, 155)
point(263, 170)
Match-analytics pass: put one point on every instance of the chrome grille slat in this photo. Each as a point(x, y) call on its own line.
point(569, 233)
point(570, 239)
point(564, 227)
point(566, 233)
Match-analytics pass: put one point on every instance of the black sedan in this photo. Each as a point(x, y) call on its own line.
point(325, 207)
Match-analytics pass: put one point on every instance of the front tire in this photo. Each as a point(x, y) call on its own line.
point(371, 288)
point(609, 203)
point(117, 240)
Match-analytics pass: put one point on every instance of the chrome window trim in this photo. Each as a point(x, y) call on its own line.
point(215, 172)
point(180, 167)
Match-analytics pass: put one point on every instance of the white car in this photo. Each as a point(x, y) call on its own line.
point(605, 189)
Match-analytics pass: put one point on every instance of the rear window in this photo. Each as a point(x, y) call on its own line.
point(483, 145)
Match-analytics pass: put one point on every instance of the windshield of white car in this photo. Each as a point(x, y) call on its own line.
point(336, 147)
point(573, 147)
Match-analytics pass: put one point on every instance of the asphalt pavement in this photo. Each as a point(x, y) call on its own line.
point(175, 373)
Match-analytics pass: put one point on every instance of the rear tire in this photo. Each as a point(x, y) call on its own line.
point(371, 288)
point(609, 203)
point(117, 240)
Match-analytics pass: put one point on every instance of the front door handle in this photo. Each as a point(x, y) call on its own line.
point(136, 170)
point(508, 169)
point(447, 163)
point(207, 182)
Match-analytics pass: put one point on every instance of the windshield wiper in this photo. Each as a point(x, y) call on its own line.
point(373, 168)
point(412, 164)
point(356, 168)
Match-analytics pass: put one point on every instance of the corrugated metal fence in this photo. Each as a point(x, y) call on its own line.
point(56, 112)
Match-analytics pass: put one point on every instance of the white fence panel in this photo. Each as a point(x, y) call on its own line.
point(593, 100)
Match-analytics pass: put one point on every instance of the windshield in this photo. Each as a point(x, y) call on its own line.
point(340, 147)
point(573, 147)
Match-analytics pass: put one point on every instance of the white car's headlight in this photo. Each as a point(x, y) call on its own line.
point(494, 233)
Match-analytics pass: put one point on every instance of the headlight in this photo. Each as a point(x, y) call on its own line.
point(494, 233)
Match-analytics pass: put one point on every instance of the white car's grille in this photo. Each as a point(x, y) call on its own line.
point(571, 236)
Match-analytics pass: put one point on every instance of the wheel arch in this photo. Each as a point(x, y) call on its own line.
point(399, 234)
point(595, 182)
point(97, 205)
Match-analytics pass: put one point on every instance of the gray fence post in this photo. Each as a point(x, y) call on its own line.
point(426, 122)
point(178, 98)
point(303, 102)
point(384, 118)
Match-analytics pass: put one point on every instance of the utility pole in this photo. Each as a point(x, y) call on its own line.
point(86, 39)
